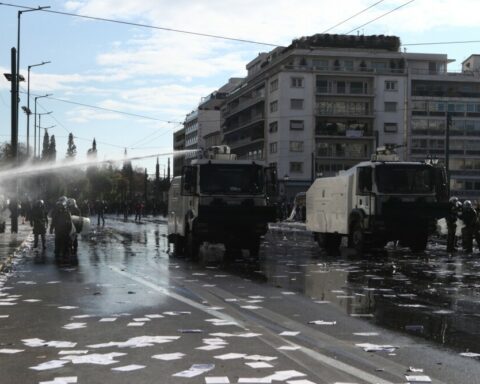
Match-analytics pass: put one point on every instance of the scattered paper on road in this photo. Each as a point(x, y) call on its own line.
point(128, 368)
point(322, 322)
point(259, 364)
point(169, 356)
point(75, 326)
point(52, 364)
point(230, 356)
point(289, 333)
point(195, 370)
point(367, 347)
point(418, 379)
point(61, 380)
point(11, 351)
point(217, 380)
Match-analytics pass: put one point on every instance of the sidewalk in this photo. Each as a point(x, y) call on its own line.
point(10, 243)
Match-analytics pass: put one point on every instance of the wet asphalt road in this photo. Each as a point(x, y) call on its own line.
point(131, 300)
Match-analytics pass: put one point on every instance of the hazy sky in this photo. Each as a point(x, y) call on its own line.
point(162, 75)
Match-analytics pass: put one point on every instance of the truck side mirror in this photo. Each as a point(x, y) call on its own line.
point(271, 181)
point(189, 181)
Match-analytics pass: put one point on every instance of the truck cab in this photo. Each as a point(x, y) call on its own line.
point(219, 199)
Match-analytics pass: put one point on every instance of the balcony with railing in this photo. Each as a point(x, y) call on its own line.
point(244, 102)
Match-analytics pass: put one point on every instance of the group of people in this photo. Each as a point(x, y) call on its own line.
point(469, 216)
point(66, 242)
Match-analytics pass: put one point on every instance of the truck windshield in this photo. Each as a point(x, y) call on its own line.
point(232, 179)
point(403, 178)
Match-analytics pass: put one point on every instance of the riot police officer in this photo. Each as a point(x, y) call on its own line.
point(452, 223)
point(62, 224)
point(39, 222)
point(469, 218)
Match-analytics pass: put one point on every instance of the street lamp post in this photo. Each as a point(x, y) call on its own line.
point(35, 125)
point(28, 105)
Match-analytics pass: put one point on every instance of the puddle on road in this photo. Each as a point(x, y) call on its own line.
point(430, 295)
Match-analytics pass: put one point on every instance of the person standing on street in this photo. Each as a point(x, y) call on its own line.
point(62, 225)
point(452, 223)
point(39, 222)
point(74, 211)
point(469, 218)
point(100, 208)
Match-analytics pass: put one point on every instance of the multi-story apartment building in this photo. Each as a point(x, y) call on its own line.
point(325, 103)
point(201, 128)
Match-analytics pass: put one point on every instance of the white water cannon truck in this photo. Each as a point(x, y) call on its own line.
point(220, 199)
point(376, 202)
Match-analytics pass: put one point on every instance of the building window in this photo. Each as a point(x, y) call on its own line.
point(296, 146)
point(296, 82)
point(296, 103)
point(296, 167)
point(274, 106)
point(273, 85)
point(358, 87)
point(390, 106)
point(341, 88)
point(273, 127)
point(296, 125)
point(320, 64)
point(273, 147)
point(390, 127)
point(348, 65)
point(391, 85)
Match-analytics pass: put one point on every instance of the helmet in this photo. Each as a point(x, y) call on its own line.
point(467, 204)
point(71, 203)
point(453, 199)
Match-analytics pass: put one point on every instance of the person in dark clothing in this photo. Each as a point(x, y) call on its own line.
point(39, 222)
point(74, 211)
point(469, 218)
point(62, 225)
point(100, 208)
point(138, 210)
point(452, 223)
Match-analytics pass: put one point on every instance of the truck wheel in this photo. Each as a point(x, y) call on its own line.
point(357, 237)
point(419, 243)
point(254, 248)
point(332, 242)
point(178, 246)
point(192, 247)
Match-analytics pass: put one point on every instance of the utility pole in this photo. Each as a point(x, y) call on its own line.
point(14, 139)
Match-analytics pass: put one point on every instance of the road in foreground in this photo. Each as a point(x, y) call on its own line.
point(129, 313)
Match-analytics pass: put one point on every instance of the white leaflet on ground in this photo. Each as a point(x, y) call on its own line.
point(285, 375)
point(470, 354)
point(413, 369)
point(7, 303)
point(289, 333)
point(53, 282)
point(260, 358)
point(8, 299)
point(32, 300)
point(26, 282)
point(230, 356)
point(177, 313)
point(254, 380)
point(73, 352)
point(322, 322)
point(61, 380)
point(169, 356)
point(195, 370)
point(75, 326)
point(11, 351)
point(81, 316)
point(4, 316)
point(259, 364)
point(107, 319)
point(304, 381)
point(231, 300)
point(418, 379)
point(52, 364)
point(210, 347)
point(94, 358)
point(141, 319)
point(190, 330)
point(288, 293)
point(246, 334)
point(250, 307)
point(208, 285)
point(215, 341)
point(137, 342)
point(367, 347)
point(135, 324)
point(42, 343)
point(67, 307)
point(366, 334)
point(289, 347)
point(217, 380)
point(128, 368)
point(254, 301)
point(221, 322)
point(154, 316)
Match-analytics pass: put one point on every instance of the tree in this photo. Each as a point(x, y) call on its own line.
point(71, 148)
point(52, 149)
point(92, 152)
point(46, 145)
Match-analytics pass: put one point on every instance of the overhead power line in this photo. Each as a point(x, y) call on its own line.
point(355, 15)
point(143, 25)
point(379, 17)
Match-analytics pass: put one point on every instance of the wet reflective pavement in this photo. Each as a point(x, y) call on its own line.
point(297, 314)
point(431, 295)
